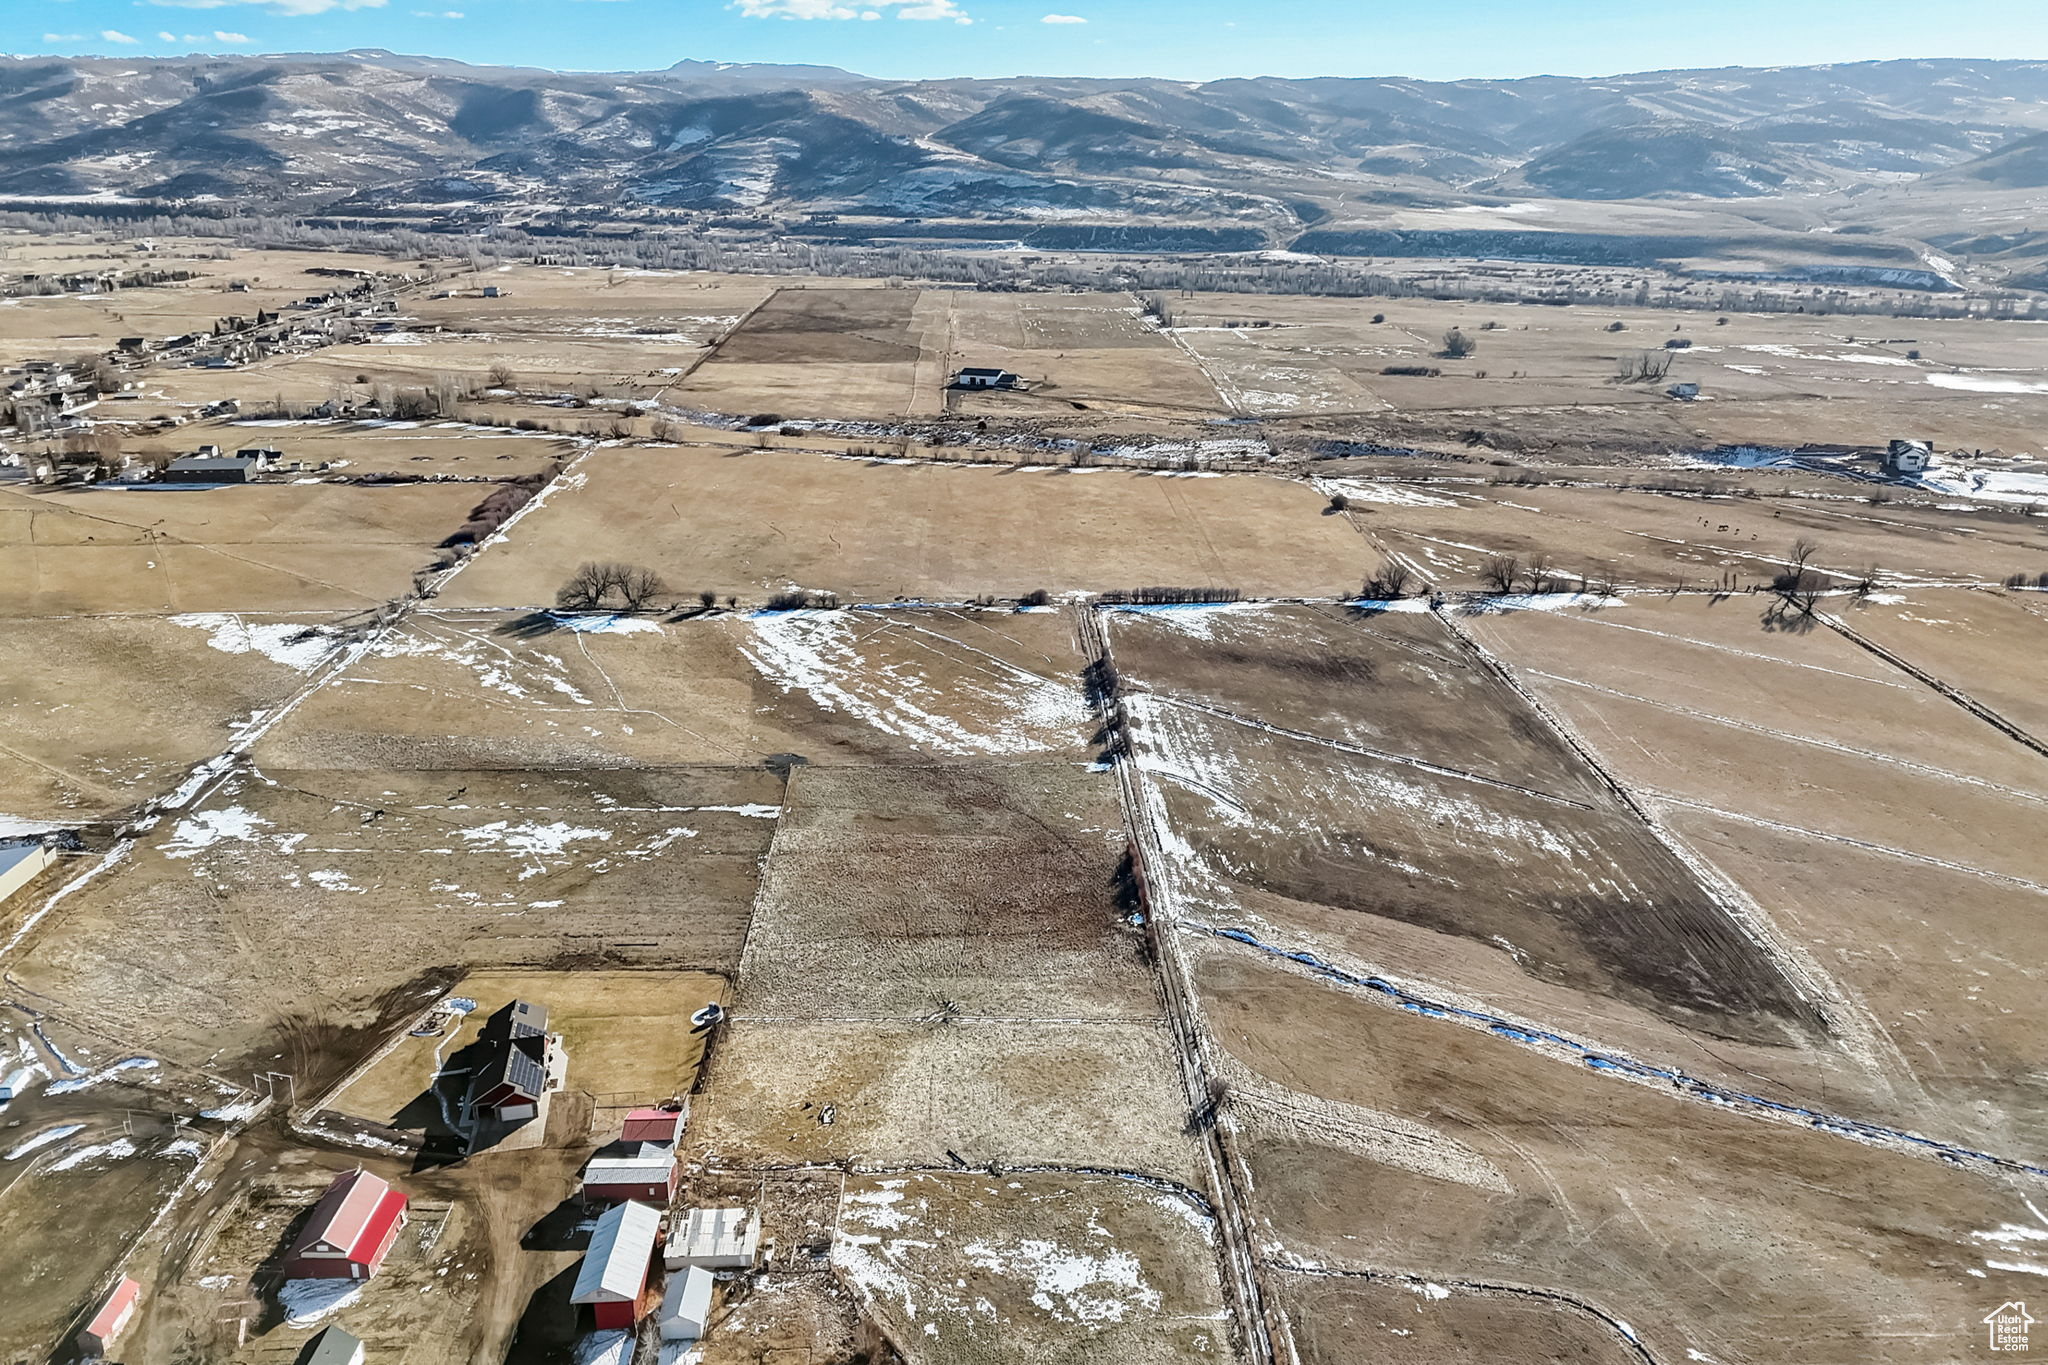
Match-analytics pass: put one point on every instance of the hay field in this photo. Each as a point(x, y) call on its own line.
point(872, 532)
point(1648, 539)
point(816, 352)
point(1698, 1229)
point(117, 709)
point(1093, 350)
point(303, 913)
point(495, 689)
point(256, 548)
point(1035, 1268)
point(1879, 824)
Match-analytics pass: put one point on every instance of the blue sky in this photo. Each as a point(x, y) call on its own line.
point(1188, 39)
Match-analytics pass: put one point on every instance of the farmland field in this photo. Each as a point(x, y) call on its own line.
point(1218, 853)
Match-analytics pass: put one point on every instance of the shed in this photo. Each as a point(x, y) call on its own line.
point(114, 1314)
point(981, 377)
point(350, 1230)
point(209, 469)
point(686, 1305)
point(717, 1239)
point(614, 1271)
point(19, 864)
point(648, 1176)
point(335, 1346)
point(653, 1125)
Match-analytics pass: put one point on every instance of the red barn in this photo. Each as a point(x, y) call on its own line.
point(351, 1229)
point(613, 1277)
point(113, 1315)
point(653, 1125)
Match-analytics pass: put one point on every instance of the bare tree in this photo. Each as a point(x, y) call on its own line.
point(1798, 555)
point(637, 587)
point(501, 376)
point(1501, 573)
point(585, 589)
point(1542, 576)
point(1390, 583)
point(1457, 345)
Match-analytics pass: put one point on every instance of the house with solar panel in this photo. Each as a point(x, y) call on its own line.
point(516, 1053)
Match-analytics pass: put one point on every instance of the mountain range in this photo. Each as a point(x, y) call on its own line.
point(374, 132)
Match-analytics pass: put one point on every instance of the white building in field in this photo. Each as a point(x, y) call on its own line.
point(1908, 459)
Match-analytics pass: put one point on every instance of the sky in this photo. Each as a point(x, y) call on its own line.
point(1180, 39)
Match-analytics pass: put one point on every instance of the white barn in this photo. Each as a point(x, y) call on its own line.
point(686, 1304)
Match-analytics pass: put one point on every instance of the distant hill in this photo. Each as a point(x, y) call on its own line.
point(372, 131)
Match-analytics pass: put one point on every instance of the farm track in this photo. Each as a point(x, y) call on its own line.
point(1257, 1318)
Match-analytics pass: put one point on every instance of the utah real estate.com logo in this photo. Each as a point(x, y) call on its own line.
point(2008, 1324)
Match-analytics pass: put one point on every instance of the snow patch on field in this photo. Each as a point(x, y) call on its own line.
point(1542, 601)
point(986, 706)
point(1385, 494)
point(120, 1149)
point(297, 647)
point(203, 829)
point(307, 1301)
point(1987, 383)
point(605, 623)
point(43, 1139)
point(1054, 1261)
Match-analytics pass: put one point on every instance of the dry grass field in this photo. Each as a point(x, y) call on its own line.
point(876, 531)
point(1698, 1229)
point(298, 914)
point(1035, 1268)
point(487, 689)
point(1473, 979)
point(120, 708)
point(257, 548)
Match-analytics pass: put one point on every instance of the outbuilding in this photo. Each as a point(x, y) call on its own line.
point(686, 1305)
point(19, 864)
point(1908, 459)
point(335, 1346)
point(653, 1125)
point(980, 377)
point(614, 1273)
point(716, 1239)
point(209, 469)
point(512, 1072)
point(350, 1231)
point(115, 1312)
point(648, 1176)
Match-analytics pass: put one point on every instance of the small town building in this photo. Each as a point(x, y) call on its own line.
point(978, 377)
point(512, 1073)
point(209, 469)
point(264, 456)
point(19, 864)
point(133, 345)
point(1684, 392)
point(613, 1277)
point(653, 1125)
point(648, 1176)
point(491, 291)
point(716, 1239)
point(350, 1231)
point(114, 1314)
point(335, 1346)
point(686, 1305)
point(1908, 459)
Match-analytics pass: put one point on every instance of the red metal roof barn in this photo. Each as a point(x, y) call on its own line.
point(113, 1315)
point(351, 1229)
point(653, 1125)
point(649, 1177)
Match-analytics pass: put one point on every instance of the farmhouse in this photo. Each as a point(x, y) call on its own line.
point(1908, 459)
point(614, 1272)
point(19, 864)
point(686, 1305)
point(975, 377)
point(107, 1323)
point(335, 1346)
point(350, 1231)
point(513, 1075)
point(648, 1176)
point(653, 1125)
point(716, 1239)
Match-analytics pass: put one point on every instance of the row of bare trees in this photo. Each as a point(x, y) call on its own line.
point(602, 585)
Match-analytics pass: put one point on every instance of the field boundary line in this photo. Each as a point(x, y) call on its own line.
point(1953, 693)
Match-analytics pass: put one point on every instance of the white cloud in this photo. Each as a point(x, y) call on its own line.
point(1062, 19)
point(289, 7)
point(114, 35)
point(222, 37)
point(63, 37)
point(833, 9)
point(217, 36)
